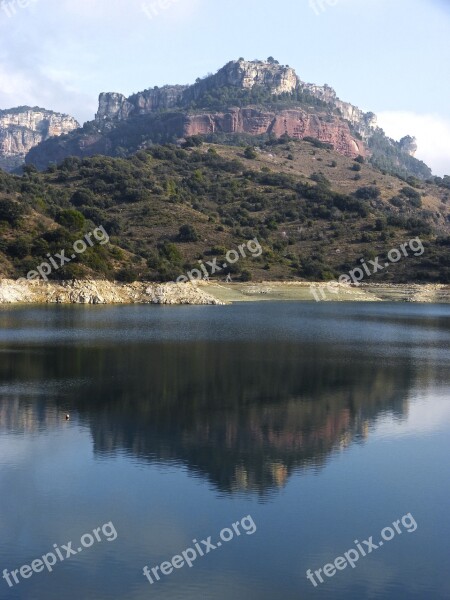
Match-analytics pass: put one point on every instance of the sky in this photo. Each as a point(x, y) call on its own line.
point(391, 57)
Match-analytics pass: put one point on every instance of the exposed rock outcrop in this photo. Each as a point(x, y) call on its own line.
point(101, 292)
point(243, 74)
point(409, 145)
point(279, 103)
point(246, 75)
point(113, 106)
point(295, 123)
point(23, 128)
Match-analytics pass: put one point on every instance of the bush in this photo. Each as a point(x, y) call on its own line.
point(11, 212)
point(413, 195)
point(171, 253)
point(20, 248)
point(320, 179)
point(194, 141)
point(250, 153)
point(369, 192)
point(397, 202)
point(83, 198)
point(217, 251)
point(126, 275)
point(71, 219)
point(187, 233)
point(318, 144)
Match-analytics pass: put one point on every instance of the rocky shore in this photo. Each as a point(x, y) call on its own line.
point(212, 293)
point(101, 292)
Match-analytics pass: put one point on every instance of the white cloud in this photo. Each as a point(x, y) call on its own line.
point(432, 133)
point(14, 86)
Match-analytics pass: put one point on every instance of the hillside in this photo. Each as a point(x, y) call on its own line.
point(250, 101)
point(315, 213)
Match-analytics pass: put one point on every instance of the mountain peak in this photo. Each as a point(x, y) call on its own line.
point(249, 100)
point(268, 74)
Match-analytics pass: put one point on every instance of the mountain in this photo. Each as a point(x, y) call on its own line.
point(316, 214)
point(24, 127)
point(244, 102)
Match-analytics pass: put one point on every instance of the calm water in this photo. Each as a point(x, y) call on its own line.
point(325, 423)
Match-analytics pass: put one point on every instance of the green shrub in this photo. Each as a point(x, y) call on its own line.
point(413, 196)
point(250, 153)
point(187, 233)
point(11, 212)
point(368, 193)
point(71, 219)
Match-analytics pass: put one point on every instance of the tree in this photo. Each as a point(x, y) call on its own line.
point(83, 197)
point(187, 233)
point(11, 212)
point(71, 219)
point(368, 193)
point(30, 169)
point(250, 153)
point(170, 252)
point(194, 141)
point(413, 195)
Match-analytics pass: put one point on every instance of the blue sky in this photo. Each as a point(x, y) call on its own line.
point(390, 57)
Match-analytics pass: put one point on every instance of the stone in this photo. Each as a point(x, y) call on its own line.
point(21, 129)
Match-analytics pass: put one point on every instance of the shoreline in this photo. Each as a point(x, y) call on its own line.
point(322, 292)
point(102, 292)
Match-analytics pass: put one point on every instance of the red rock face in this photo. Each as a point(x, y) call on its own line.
point(295, 123)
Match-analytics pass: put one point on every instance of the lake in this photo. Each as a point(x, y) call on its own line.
point(290, 433)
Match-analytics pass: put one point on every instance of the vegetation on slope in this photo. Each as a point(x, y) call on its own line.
point(315, 213)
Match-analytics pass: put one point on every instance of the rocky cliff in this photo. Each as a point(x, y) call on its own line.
point(256, 98)
point(276, 79)
point(295, 123)
point(136, 133)
point(23, 128)
point(239, 74)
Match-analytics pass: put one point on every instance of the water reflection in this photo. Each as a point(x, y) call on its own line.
point(243, 415)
